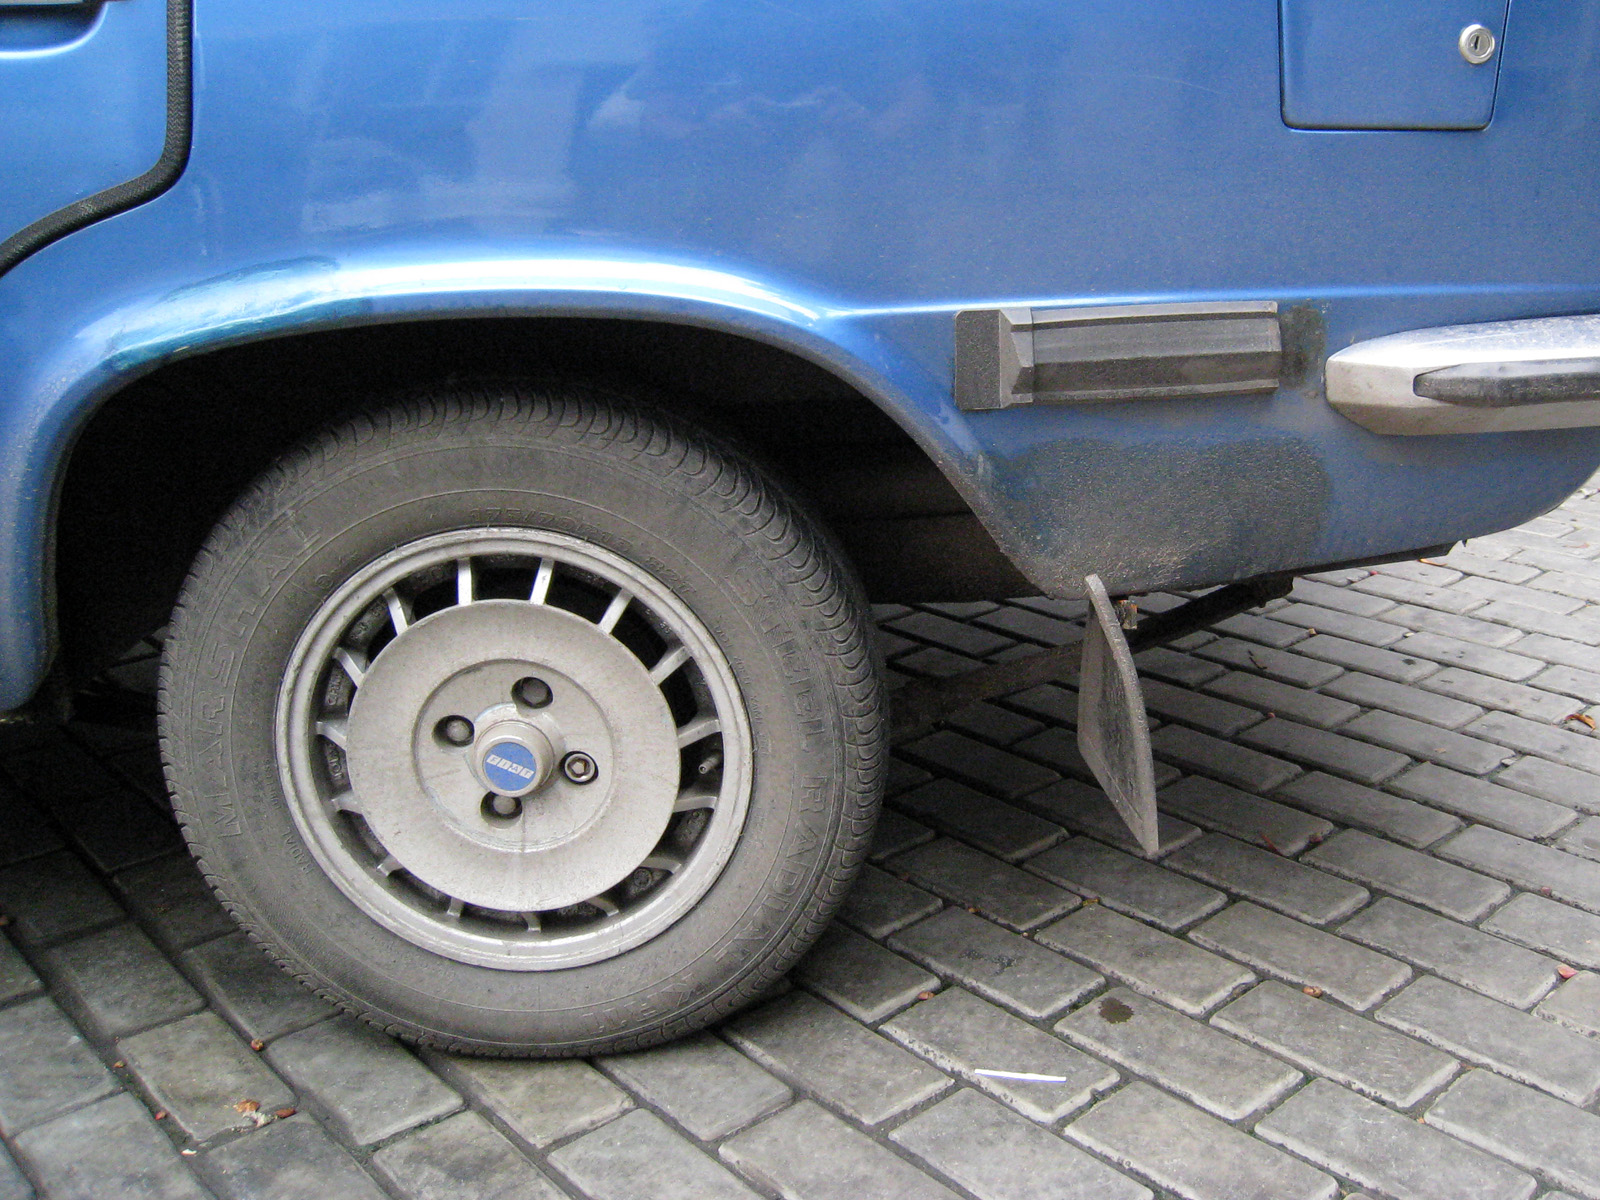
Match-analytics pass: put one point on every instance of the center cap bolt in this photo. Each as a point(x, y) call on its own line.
point(579, 767)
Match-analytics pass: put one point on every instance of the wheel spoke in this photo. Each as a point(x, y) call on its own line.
point(532, 921)
point(453, 909)
point(355, 665)
point(669, 662)
point(335, 729)
point(346, 802)
point(388, 866)
point(670, 863)
point(399, 611)
point(694, 731)
point(541, 581)
point(465, 584)
point(605, 904)
point(614, 610)
point(691, 799)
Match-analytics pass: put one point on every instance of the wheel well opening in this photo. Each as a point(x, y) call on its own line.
point(159, 462)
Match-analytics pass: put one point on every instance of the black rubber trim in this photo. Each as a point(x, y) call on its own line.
point(1512, 384)
point(174, 155)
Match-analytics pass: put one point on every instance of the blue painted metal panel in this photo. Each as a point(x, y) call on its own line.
point(1387, 64)
point(841, 177)
point(85, 103)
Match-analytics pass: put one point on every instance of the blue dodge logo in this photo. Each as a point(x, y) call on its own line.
point(509, 767)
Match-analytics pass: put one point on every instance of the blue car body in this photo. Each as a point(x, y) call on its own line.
point(839, 179)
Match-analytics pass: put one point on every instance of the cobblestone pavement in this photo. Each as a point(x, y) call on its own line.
point(1364, 959)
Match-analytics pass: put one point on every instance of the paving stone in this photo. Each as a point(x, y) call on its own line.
point(117, 828)
point(904, 775)
point(1568, 583)
point(1454, 628)
point(23, 831)
point(1259, 629)
point(1522, 1126)
point(1569, 681)
point(1035, 626)
point(54, 897)
point(1085, 809)
point(1156, 964)
point(1556, 873)
point(174, 902)
point(462, 1156)
point(1302, 955)
point(997, 889)
point(1579, 626)
point(1280, 699)
point(879, 903)
point(1550, 560)
point(1490, 1034)
point(1493, 589)
point(782, 1154)
point(998, 1155)
point(1058, 748)
point(13, 1185)
point(1184, 1056)
point(951, 635)
point(251, 991)
point(819, 1049)
point(1385, 1151)
point(1222, 760)
point(1320, 748)
point(1570, 749)
point(1361, 602)
point(1050, 702)
point(701, 1083)
point(371, 1086)
point(991, 723)
point(1427, 742)
point(199, 1070)
point(1403, 699)
point(1497, 693)
point(860, 976)
point(1325, 1040)
point(1482, 801)
point(1569, 935)
point(1191, 1153)
point(896, 832)
point(1128, 884)
point(987, 823)
point(288, 1160)
point(1411, 592)
point(1249, 818)
point(1574, 789)
point(16, 976)
point(1285, 667)
point(1398, 665)
point(1002, 966)
point(1456, 952)
point(936, 662)
point(1198, 709)
point(540, 1102)
point(1408, 874)
point(1347, 803)
point(998, 772)
point(963, 1034)
point(1316, 619)
point(121, 981)
point(110, 1149)
point(1504, 572)
point(1575, 1004)
point(1269, 879)
point(50, 1068)
point(1182, 669)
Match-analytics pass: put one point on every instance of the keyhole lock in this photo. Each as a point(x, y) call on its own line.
point(1477, 44)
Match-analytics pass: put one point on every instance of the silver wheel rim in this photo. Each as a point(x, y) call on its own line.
point(604, 782)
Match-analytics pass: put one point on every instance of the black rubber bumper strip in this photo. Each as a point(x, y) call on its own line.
point(1510, 384)
point(174, 155)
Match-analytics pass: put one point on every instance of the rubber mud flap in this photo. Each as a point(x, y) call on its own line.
point(1113, 735)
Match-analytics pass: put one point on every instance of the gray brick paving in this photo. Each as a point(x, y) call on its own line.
point(701, 1083)
point(1269, 879)
point(1409, 874)
point(1130, 885)
point(998, 1155)
point(13, 1184)
point(1324, 1039)
point(1454, 951)
point(1485, 1032)
point(371, 1086)
point(1184, 1056)
point(1000, 965)
point(108, 1149)
point(819, 1049)
point(638, 1155)
point(782, 1154)
point(1422, 662)
point(1157, 964)
point(462, 1156)
point(1192, 1153)
point(1526, 1128)
point(201, 1073)
point(1385, 1151)
point(1304, 956)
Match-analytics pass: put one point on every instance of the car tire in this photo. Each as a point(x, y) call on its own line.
point(522, 721)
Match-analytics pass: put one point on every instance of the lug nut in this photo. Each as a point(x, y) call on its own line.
point(501, 807)
point(579, 767)
point(531, 692)
point(457, 731)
